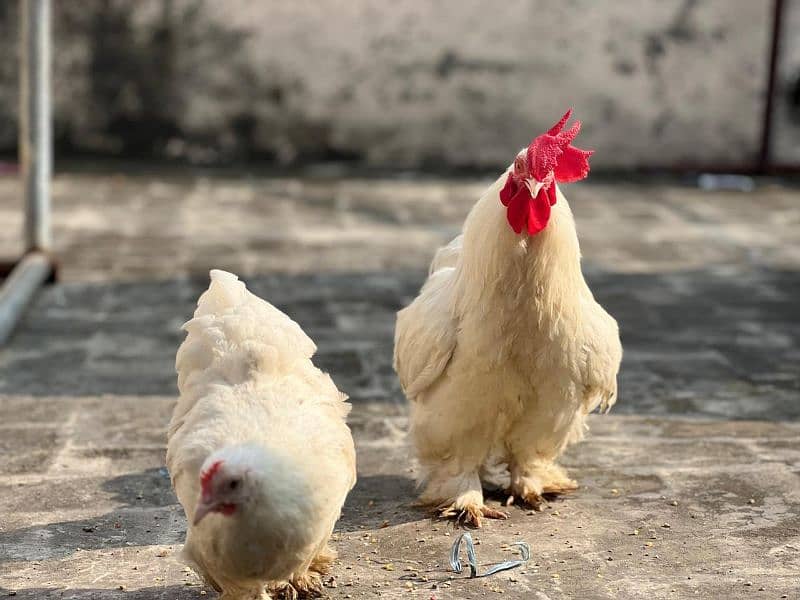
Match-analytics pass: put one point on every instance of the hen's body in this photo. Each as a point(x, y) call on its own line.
point(249, 389)
point(503, 354)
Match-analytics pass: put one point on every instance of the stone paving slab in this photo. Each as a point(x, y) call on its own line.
point(669, 508)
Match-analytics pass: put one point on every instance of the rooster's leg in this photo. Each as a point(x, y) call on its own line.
point(451, 444)
point(534, 444)
point(458, 497)
point(530, 483)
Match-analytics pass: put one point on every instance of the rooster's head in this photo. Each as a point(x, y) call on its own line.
point(530, 189)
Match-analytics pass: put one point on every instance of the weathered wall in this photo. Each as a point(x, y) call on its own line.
point(459, 82)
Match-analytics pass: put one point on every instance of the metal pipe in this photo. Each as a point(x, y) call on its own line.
point(18, 290)
point(35, 135)
point(36, 158)
point(764, 155)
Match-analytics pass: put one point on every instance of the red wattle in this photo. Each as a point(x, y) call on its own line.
point(226, 509)
point(517, 212)
point(509, 190)
point(538, 213)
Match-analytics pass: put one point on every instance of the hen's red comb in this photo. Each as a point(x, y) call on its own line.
point(207, 475)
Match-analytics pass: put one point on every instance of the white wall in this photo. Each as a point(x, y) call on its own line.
point(414, 82)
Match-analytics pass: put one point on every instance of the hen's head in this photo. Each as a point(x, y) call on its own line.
point(241, 480)
point(530, 189)
point(224, 487)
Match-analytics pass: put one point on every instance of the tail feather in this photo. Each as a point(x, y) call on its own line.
point(225, 292)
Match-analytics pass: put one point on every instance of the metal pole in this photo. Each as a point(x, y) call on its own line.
point(18, 290)
point(764, 162)
point(35, 136)
point(35, 150)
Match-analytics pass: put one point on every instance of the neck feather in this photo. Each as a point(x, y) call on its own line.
point(543, 268)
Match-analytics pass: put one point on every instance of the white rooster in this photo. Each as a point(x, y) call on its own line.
point(259, 452)
point(505, 351)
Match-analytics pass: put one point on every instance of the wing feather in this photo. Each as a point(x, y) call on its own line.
point(601, 353)
point(426, 331)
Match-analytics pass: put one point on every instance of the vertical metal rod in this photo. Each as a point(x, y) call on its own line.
point(35, 136)
point(764, 155)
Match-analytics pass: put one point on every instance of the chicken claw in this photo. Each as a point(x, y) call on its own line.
point(285, 592)
point(470, 515)
point(533, 501)
point(299, 588)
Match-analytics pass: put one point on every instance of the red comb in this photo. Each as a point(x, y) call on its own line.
point(207, 475)
point(556, 129)
point(553, 151)
point(550, 158)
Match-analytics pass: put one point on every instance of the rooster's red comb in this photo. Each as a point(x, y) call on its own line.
point(556, 129)
point(553, 151)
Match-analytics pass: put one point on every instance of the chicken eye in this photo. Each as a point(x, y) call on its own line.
point(234, 484)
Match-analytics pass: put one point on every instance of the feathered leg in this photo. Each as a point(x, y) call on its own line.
point(451, 452)
point(457, 496)
point(535, 442)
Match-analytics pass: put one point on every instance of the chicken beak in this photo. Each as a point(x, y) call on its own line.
point(534, 186)
point(201, 511)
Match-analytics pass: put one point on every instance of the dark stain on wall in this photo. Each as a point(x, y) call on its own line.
point(134, 79)
point(682, 28)
point(654, 50)
point(450, 63)
point(625, 67)
point(793, 99)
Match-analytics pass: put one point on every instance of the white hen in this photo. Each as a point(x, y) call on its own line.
point(505, 351)
point(259, 452)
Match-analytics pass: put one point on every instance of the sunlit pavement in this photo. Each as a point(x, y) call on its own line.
point(690, 487)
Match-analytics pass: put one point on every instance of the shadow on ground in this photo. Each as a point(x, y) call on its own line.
point(146, 513)
point(379, 501)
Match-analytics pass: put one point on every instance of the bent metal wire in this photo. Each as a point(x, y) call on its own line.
point(455, 562)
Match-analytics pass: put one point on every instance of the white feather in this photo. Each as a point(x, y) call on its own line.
point(502, 355)
point(250, 393)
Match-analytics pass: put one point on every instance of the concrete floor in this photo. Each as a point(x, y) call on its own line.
point(691, 488)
